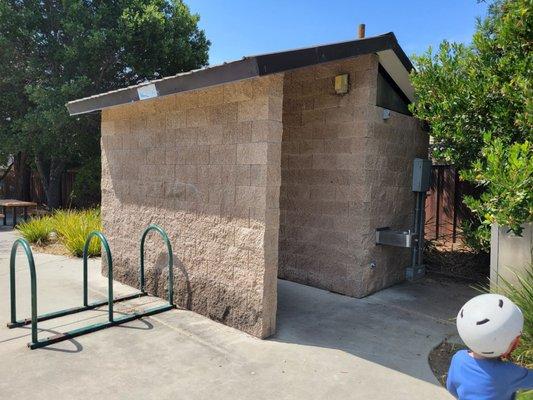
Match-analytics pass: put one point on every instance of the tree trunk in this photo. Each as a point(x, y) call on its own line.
point(22, 177)
point(53, 195)
point(25, 192)
point(50, 173)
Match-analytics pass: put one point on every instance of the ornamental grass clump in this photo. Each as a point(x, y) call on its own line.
point(37, 231)
point(73, 227)
point(521, 294)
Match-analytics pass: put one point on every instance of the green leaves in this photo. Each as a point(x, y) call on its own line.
point(71, 227)
point(52, 52)
point(506, 172)
point(161, 38)
point(478, 100)
point(465, 91)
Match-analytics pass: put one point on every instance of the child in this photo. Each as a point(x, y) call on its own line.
point(491, 326)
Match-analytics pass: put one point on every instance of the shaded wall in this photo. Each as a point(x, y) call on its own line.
point(345, 172)
point(510, 255)
point(205, 165)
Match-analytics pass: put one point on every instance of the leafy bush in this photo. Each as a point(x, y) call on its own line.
point(464, 91)
point(72, 228)
point(476, 235)
point(37, 230)
point(506, 173)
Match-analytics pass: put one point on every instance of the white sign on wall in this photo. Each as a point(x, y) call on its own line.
point(147, 92)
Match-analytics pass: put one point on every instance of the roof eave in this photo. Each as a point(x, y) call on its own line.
point(248, 67)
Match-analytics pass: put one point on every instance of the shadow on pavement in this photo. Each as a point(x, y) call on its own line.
point(396, 328)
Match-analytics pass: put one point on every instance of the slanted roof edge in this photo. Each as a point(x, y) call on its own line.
point(248, 67)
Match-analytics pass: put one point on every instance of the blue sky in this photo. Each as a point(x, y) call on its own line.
point(240, 28)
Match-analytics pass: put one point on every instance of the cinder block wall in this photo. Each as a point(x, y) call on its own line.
point(345, 172)
point(205, 165)
point(390, 147)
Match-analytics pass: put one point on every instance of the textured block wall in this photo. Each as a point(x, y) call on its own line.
point(345, 172)
point(390, 147)
point(205, 165)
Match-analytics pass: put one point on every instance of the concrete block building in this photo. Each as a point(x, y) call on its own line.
point(278, 165)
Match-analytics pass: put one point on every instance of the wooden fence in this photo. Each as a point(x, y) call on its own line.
point(36, 190)
point(444, 207)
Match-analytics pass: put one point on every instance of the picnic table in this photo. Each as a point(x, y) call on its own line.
point(14, 204)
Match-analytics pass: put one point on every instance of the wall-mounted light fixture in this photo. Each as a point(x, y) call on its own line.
point(341, 84)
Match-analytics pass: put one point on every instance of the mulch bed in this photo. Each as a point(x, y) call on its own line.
point(440, 358)
point(55, 248)
point(457, 261)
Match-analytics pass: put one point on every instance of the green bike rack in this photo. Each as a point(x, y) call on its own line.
point(33, 281)
point(86, 305)
point(157, 228)
point(35, 343)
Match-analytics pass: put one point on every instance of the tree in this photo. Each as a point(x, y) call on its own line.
point(54, 51)
point(13, 105)
point(478, 99)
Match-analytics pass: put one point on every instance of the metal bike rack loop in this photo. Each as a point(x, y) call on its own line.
point(112, 321)
point(33, 281)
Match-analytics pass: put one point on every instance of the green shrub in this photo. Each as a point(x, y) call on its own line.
point(72, 228)
point(506, 174)
point(37, 230)
point(476, 235)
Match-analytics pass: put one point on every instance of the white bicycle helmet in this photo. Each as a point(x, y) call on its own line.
point(489, 323)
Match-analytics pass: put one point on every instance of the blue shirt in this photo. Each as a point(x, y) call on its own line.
point(470, 378)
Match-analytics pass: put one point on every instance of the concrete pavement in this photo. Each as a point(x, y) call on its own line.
point(327, 345)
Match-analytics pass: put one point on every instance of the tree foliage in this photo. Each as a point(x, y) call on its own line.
point(469, 93)
point(54, 51)
point(506, 172)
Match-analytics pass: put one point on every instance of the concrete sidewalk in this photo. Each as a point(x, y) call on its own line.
point(328, 346)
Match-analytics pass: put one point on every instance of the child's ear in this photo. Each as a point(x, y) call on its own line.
point(514, 344)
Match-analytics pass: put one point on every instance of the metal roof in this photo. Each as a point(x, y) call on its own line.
point(392, 57)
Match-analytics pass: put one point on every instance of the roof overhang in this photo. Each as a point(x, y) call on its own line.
point(390, 54)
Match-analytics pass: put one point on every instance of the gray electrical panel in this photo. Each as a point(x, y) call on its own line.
point(421, 175)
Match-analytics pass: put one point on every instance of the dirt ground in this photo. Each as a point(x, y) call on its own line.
point(55, 248)
point(456, 260)
point(440, 357)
